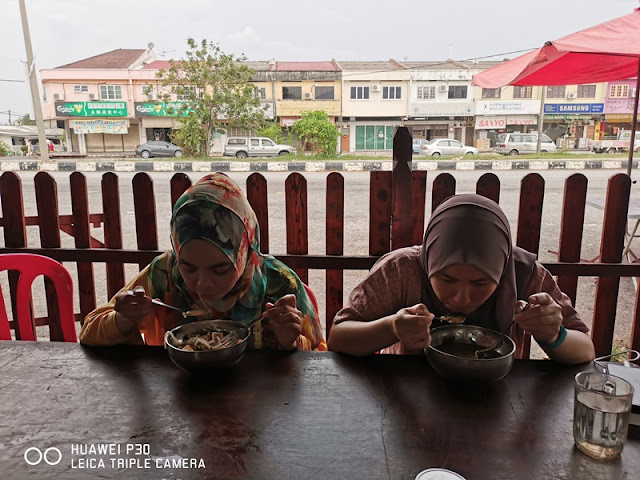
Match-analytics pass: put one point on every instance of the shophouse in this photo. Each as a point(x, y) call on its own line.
point(618, 108)
point(573, 112)
point(93, 100)
point(375, 102)
point(442, 100)
point(305, 86)
point(505, 109)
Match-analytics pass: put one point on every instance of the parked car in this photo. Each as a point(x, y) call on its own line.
point(158, 149)
point(517, 143)
point(243, 147)
point(418, 144)
point(447, 146)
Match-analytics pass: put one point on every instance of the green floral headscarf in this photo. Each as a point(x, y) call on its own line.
point(215, 209)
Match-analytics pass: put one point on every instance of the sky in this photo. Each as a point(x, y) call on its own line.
point(64, 31)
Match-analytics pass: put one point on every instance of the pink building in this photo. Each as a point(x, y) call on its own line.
point(95, 101)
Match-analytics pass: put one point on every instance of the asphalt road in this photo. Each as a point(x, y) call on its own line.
point(356, 220)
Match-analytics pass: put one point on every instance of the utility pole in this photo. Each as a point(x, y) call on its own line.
point(543, 96)
point(33, 81)
point(9, 112)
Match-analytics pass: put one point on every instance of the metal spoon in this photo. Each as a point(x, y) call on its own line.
point(189, 313)
point(452, 318)
point(483, 354)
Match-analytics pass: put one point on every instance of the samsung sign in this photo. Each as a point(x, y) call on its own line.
point(573, 107)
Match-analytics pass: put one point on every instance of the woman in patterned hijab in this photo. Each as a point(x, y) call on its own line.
point(215, 266)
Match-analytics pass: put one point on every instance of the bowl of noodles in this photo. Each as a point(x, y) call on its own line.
point(207, 344)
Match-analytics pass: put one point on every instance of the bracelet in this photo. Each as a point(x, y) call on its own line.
point(562, 335)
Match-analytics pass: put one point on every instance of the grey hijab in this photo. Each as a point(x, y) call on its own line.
point(472, 229)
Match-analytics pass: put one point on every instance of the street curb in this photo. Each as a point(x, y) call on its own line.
point(127, 165)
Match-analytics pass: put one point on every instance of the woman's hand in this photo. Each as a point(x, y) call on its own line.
point(133, 305)
point(286, 321)
point(542, 320)
point(411, 326)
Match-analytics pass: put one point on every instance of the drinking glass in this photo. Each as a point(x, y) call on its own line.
point(602, 405)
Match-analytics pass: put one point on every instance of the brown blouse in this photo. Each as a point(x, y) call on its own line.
point(396, 281)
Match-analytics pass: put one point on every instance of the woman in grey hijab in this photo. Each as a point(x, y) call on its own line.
point(467, 264)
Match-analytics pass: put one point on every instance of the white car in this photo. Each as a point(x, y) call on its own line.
point(447, 146)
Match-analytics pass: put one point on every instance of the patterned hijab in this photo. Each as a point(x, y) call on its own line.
point(215, 209)
point(472, 229)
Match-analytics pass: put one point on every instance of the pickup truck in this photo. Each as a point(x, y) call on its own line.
point(243, 147)
point(619, 143)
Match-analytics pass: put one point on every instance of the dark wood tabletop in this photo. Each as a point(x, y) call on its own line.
point(278, 415)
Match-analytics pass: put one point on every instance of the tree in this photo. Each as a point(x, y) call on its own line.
point(25, 121)
point(273, 131)
point(216, 93)
point(316, 131)
point(4, 149)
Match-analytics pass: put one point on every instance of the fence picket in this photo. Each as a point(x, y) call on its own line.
point(257, 196)
point(144, 204)
point(296, 219)
point(47, 203)
point(334, 246)
point(15, 234)
point(443, 187)
point(571, 227)
point(179, 183)
point(489, 186)
point(380, 213)
point(611, 245)
point(82, 238)
point(112, 230)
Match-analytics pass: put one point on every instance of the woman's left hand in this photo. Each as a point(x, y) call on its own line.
point(286, 321)
point(542, 320)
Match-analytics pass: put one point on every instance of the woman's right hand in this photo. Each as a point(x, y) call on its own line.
point(133, 305)
point(411, 326)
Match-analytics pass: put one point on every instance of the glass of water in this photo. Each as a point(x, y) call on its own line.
point(602, 405)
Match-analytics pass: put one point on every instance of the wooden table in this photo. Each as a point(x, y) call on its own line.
point(283, 416)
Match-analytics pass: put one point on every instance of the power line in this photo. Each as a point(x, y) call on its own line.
point(9, 80)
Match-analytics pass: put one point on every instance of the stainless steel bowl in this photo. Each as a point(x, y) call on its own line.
point(223, 358)
point(452, 366)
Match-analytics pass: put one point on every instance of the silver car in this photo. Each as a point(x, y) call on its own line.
point(418, 143)
point(243, 147)
point(157, 148)
point(517, 143)
point(447, 146)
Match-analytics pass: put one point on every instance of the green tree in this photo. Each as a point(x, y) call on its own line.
point(25, 121)
point(4, 149)
point(217, 93)
point(273, 131)
point(316, 131)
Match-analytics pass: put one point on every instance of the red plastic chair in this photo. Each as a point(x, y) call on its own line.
point(30, 266)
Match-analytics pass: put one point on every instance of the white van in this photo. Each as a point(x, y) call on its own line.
point(523, 143)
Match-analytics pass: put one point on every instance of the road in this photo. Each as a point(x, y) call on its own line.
point(356, 219)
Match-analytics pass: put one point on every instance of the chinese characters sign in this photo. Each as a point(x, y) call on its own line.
point(160, 109)
point(91, 109)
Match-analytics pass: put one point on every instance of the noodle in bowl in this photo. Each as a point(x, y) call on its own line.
point(203, 339)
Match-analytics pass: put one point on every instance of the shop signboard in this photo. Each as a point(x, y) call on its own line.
point(490, 123)
point(113, 127)
point(160, 109)
point(569, 108)
point(91, 109)
point(507, 107)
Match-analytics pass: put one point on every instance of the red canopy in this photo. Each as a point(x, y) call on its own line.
point(603, 53)
point(608, 51)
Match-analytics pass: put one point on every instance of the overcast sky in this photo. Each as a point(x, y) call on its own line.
point(63, 31)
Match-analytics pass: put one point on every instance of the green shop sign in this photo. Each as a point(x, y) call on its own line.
point(91, 109)
point(160, 109)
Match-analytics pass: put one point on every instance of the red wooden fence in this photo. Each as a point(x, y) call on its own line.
point(397, 207)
